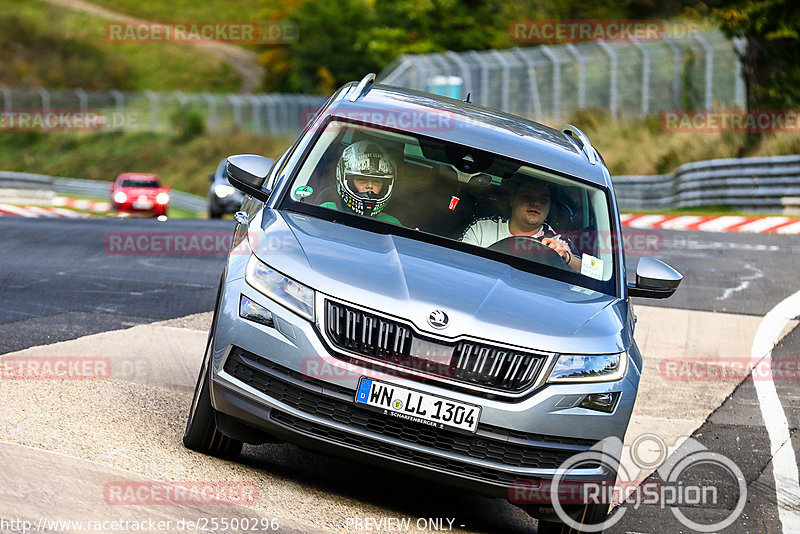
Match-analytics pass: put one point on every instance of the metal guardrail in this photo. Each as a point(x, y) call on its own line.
point(765, 184)
point(92, 188)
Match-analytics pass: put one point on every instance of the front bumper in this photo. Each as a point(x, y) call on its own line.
point(284, 381)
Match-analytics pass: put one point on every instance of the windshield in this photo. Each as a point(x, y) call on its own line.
point(478, 202)
point(140, 183)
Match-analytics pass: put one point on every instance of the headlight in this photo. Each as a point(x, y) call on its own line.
point(280, 288)
point(223, 190)
point(162, 198)
point(589, 368)
point(120, 197)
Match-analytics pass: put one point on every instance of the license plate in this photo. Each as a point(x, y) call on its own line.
point(417, 406)
point(143, 203)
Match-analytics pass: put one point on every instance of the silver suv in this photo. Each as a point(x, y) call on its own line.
point(431, 286)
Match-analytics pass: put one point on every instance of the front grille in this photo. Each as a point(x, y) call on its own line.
point(470, 362)
point(489, 444)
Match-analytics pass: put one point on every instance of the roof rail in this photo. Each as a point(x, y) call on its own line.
point(586, 146)
point(363, 86)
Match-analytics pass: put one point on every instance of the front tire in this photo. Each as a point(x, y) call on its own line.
point(202, 434)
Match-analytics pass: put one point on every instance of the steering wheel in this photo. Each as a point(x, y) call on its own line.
point(530, 248)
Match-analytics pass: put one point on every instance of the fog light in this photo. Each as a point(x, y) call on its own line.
point(602, 402)
point(255, 312)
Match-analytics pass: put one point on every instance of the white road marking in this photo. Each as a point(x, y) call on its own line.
point(681, 223)
point(784, 463)
point(43, 212)
point(719, 224)
point(14, 210)
point(789, 229)
point(762, 225)
point(646, 221)
point(744, 282)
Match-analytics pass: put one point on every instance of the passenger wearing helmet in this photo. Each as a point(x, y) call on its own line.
point(364, 180)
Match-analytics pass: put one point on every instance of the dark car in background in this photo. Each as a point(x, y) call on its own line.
point(222, 196)
point(140, 193)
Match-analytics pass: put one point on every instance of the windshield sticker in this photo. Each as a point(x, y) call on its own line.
point(592, 267)
point(303, 191)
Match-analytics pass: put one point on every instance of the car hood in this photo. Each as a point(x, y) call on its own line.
point(409, 279)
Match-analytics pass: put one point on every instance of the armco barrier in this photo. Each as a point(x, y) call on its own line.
point(766, 184)
point(93, 188)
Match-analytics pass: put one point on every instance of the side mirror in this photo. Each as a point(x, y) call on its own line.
point(211, 177)
point(247, 172)
point(654, 279)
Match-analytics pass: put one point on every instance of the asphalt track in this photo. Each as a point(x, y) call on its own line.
point(59, 281)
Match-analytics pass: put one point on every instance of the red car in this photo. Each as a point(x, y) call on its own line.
point(140, 194)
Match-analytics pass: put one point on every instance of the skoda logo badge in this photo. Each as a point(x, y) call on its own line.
point(438, 319)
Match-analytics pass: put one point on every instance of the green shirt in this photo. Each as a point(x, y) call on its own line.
point(381, 216)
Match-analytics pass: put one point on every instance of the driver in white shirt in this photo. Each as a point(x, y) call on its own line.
point(530, 205)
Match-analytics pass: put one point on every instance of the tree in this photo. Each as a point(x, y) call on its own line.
point(771, 29)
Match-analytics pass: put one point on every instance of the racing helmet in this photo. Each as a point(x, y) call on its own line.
point(365, 160)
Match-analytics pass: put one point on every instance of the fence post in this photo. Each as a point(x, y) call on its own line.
point(581, 74)
point(236, 102)
point(645, 76)
point(45, 96)
point(676, 72)
point(403, 66)
point(212, 110)
point(506, 80)
point(556, 80)
point(118, 103)
point(83, 104)
point(483, 88)
point(153, 99)
point(255, 106)
point(466, 73)
point(535, 101)
point(6, 96)
point(271, 113)
point(709, 65)
point(612, 57)
point(740, 45)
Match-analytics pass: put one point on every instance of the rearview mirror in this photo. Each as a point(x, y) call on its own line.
point(247, 172)
point(654, 279)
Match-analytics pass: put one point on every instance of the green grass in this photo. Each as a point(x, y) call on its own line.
point(186, 10)
point(55, 47)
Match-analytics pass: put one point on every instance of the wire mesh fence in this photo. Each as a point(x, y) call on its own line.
point(78, 110)
point(698, 70)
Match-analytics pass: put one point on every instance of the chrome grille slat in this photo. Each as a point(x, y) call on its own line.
point(472, 362)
